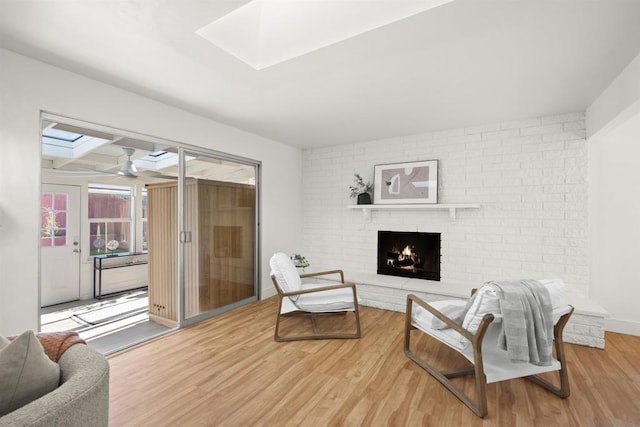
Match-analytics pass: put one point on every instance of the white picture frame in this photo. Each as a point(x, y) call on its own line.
point(406, 183)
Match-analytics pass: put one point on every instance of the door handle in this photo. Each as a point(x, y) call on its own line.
point(76, 251)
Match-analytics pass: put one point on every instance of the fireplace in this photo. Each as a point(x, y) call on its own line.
point(409, 254)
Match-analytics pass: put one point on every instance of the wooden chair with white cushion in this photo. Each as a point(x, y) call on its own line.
point(476, 338)
point(312, 299)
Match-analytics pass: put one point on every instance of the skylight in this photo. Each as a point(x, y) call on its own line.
point(263, 33)
point(69, 145)
point(157, 154)
point(61, 135)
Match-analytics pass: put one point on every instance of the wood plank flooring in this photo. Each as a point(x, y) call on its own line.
point(228, 371)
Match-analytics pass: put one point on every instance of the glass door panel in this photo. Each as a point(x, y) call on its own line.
point(218, 237)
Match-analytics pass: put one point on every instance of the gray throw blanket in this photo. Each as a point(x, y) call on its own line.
point(527, 321)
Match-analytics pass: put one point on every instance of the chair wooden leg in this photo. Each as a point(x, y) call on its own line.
point(356, 311)
point(276, 335)
point(478, 406)
point(563, 389)
point(316, 335)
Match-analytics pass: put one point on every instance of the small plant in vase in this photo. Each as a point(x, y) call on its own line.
point(300, 261)
point(360, 190)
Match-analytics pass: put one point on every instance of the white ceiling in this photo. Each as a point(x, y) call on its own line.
point(465, 63)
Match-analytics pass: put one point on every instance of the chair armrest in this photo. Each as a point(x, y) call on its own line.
point(477, 337)
point(320, 289)
point(324, 273)
point(558, 328)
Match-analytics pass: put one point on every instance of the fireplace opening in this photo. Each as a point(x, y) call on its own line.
point(409, 254)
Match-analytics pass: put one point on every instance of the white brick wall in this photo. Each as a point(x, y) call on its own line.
point(529, 176)
point(585, 330)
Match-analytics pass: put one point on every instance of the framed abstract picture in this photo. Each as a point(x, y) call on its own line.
point(406, 183)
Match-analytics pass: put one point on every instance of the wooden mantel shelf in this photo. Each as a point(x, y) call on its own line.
point(451, 207)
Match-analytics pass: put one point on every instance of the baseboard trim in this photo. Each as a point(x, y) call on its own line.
point(628, 327)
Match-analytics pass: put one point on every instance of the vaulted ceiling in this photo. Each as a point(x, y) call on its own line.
point(464, 63)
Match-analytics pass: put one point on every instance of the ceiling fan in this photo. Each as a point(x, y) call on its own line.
point(128, 168)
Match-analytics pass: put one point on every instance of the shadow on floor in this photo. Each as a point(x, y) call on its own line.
point(108, 325)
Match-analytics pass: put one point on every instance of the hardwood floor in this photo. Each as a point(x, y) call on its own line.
point(228, 371)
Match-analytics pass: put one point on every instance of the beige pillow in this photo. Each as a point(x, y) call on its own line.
point(26, 372)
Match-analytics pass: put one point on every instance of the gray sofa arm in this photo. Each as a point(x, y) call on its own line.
point(82, 399)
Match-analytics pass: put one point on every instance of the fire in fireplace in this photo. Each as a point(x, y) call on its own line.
point(409, 254)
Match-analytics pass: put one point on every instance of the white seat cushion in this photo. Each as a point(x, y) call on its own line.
point(325, 301)
point(285, 272)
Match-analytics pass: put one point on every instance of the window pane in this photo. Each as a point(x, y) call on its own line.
point(102, 233)
point(104, 205)
point(110, 209)
point(144, 236)
point(144, 203)
point(44, 222)
point(53, 219)
point(47, 201)
point(96, 238)
point(60, 202)
point(61, 219)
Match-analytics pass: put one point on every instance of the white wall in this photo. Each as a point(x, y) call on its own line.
point(28, 87)
point(616, 225)
point(529, 176)
point(613, 123)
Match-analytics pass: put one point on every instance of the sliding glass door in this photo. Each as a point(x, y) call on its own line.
point(191, 213)
point(217, 234)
